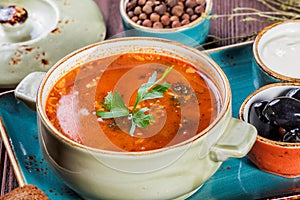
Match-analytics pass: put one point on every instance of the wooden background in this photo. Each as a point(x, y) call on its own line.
point(230, 31)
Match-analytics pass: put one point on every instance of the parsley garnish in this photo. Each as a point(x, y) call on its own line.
point(150, 90)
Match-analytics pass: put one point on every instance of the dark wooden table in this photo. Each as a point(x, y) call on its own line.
point(229, 31)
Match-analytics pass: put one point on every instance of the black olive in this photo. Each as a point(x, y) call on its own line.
point(294, 93)
point(283, 112)
point(279, 118)
point(261, 123)
point(292, 136)
point(258, 108)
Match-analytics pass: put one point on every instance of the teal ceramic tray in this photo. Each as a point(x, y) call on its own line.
point(236, 178)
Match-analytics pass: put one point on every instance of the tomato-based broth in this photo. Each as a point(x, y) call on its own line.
point(190, 104)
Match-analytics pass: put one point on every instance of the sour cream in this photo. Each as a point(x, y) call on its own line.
point(279, 49)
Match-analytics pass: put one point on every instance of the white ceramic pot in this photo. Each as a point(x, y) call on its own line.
point(48, 31)
point(173, 172)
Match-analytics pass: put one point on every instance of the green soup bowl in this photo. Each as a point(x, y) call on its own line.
point(172, 172)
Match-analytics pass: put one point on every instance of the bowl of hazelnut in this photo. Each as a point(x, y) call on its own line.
point(185, 21)
point(274, 110)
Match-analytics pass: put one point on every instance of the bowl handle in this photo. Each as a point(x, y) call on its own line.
point(27, 89)
point(236, 142)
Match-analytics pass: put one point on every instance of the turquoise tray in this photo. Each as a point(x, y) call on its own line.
point(235, 179)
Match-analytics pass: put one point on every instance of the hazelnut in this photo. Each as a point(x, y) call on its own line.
point(150, 3)
point(191, 3)
point(157, 25)
point(199, 9)
point(130, 14)
point(174, 18)
point(194, 17)
point(142, 16)
point(185, 22)
point(141, 2)
point(165, 20)
point(137, 10)
point(147, 23)
point(190, 11)
point(154, 17)
point(176, 24)
point(177, 11)
point(171, 3)
point(147, 8)
point(134, 18)
point(130, 5)
point(185, 16)
point(160, 9)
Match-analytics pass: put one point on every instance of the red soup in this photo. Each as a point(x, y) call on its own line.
point(191, 103)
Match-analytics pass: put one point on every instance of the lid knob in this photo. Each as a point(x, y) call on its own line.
point(13, 25)
point(13, 15)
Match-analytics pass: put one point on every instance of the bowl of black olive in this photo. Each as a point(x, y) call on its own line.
point(184, 21)
point(274, 110)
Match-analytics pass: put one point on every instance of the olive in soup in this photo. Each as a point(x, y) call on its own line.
point(188, 106)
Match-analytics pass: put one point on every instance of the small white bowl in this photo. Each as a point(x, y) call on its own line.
point(276, 52)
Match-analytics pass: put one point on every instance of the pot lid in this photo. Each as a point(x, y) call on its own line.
point(35, 34)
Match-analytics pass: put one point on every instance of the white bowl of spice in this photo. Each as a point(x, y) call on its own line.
point(185, 21)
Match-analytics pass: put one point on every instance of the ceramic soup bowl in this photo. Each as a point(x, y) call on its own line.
point(270, 152)
point(193, 34)
point(276, 50)
point(170, 172)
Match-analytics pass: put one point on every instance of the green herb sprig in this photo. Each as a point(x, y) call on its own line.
point(150, 90)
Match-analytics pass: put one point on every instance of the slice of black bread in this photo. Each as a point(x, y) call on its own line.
point(27, 192)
